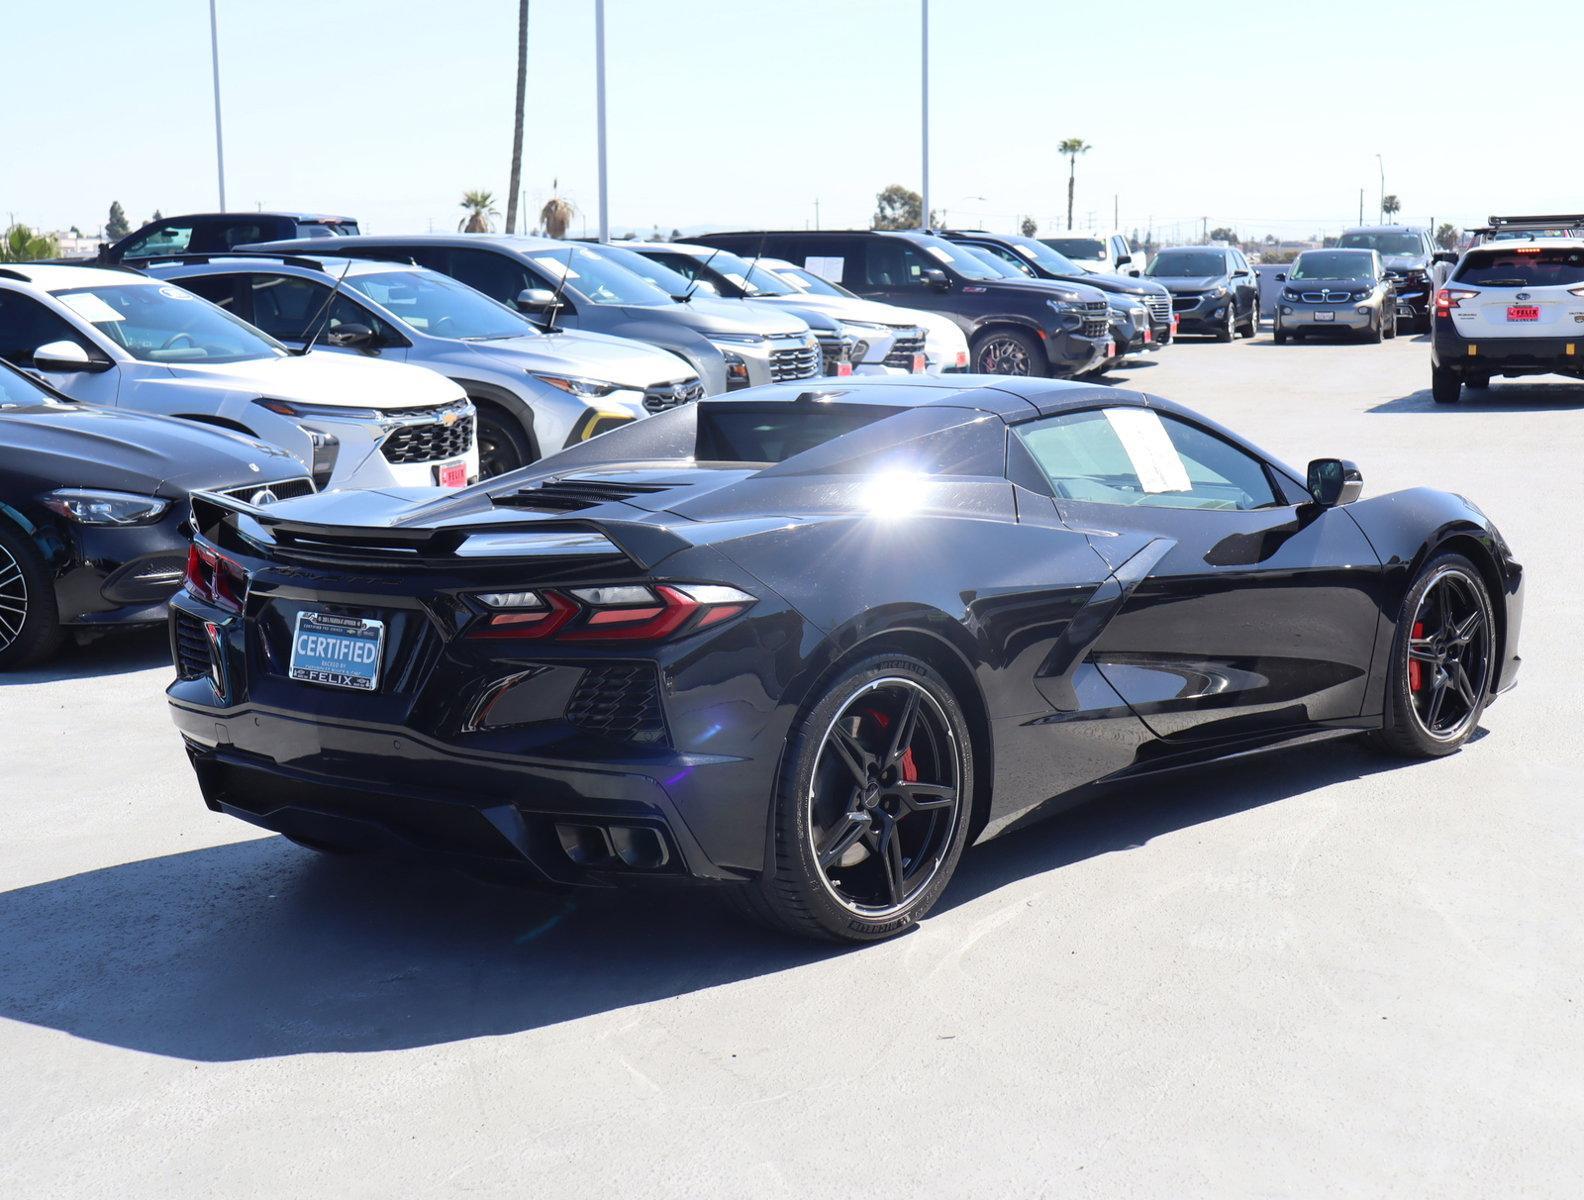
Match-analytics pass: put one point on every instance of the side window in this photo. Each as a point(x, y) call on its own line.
point(25, 325)
point(286, 307)
point(1135, 456)
point(497, 276)
point(169, 238)
point(217, 289)
point(890, 263)
point(1006, 256)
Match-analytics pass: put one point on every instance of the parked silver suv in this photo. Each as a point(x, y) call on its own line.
point(570, 285)
point(536, 393)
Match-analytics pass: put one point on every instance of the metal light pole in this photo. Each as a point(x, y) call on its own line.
point(924, 217)
point(214, 57)
point(599, 108)
point(1382, 163)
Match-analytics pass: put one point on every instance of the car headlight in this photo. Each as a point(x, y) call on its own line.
point(863, 328)
point(572, 385)
point(1289, 294)
point(1215, 293)
point(1064, 307)
point(88, 506)
point(735, 339)
point(319, 412)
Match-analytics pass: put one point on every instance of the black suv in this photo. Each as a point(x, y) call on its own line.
point(1014, 327)
point(211, 233)
point(1213, 289)
point(1038, 261)
point(1412, 260)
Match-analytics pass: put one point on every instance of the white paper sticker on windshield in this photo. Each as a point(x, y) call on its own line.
point(1149, 448)
point(556, 266)
point(90, 307)
point(829, 268)
point(1024, 251)
point(940, 255)
point(175, 293)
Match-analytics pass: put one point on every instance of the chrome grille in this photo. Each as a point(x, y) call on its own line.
point(1094, 327)
point(619, 700)
point(662, 396)
point(834, 350)
point(430, 441)
point(190, 646)
point(908, 344)
point(1180, 302)
point(800, 361)
point(285, 489)
point(1160, 308)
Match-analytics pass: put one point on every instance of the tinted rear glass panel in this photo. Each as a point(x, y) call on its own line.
point(1520, 267)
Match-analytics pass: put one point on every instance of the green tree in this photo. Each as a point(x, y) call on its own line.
point(1029, 227)
point(1447, 237)
point(481, 210)
point(898, 207)
point(1390, 206)
point(21, 244)
point(116, 227)
point(517, 118)
point(1223, 234)
point(158, 216)
point(1071, 148)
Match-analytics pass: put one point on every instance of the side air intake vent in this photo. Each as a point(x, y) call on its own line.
point(570, 495)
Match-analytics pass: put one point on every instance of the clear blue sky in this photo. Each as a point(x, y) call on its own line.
point(1263, 116)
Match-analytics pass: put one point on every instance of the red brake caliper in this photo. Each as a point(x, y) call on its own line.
point(1415, 668)
point(909, 768)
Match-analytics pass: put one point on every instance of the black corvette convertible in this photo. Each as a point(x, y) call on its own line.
point(809, 641)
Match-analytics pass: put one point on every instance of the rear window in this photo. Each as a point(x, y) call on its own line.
point(1523, 266)
point(1077, 247)
point(774, 433)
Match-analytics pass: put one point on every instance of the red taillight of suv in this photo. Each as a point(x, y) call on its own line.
point(215, 579)
point(1447, 299)
point(620, 613)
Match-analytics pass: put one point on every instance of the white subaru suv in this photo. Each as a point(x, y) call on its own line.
point(113, 337)
point(1510, 307)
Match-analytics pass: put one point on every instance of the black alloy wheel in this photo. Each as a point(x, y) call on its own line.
point(29, 622)
point(1006, 352)
point(1445, 386)
point(1228, 327)
point(873, 810)
point(1252, 329)
point(1443, 661)
point(503, 444)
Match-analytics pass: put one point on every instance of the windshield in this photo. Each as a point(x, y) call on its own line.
point(1333, 264)
point(1077, 247)
point(439, 306)
point(599, 280)
point(1053, 261)
point(17, 391)
point(160, 322)
point(959, 258)
point(994, 261)
point(731, 273)
point(1188, 264)
point(808, 282)
point(1385, 242)
point(672, 283)
point(1528, 266)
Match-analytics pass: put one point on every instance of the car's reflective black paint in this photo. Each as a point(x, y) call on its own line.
point(1085, 641)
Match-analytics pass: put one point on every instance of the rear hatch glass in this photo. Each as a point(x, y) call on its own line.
point(1523, 267)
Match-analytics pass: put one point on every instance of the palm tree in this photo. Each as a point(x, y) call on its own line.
point(1390, 205)
point(480, 207)
point(21, 244)
point(517, 130)
point(555, 216)
point(1072, 148)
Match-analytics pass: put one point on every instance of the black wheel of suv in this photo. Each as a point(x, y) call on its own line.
point(1445, 386)
point(1421, 321)
point(1443, 661)
point(1279, 336)
point(1007, 352)
point(1228, 328)
point(872, 810)
point(29, 621)
point(1376, 333)
point(503, 444)
point(1391, 323)
point(1252, 329)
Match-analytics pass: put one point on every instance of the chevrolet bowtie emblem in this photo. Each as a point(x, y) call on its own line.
point(448, 419)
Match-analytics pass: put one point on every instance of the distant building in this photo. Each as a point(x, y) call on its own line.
point(72, 245)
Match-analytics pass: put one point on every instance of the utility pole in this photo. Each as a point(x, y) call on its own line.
point(214, 58)
point(1361, 206)
point(1204, 230)
point(816, 212)
point(1382, 163)
point(1116, 221)
point(599, 110)
point(924, 215)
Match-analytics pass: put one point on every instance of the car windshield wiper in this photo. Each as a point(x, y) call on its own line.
point(495, 337)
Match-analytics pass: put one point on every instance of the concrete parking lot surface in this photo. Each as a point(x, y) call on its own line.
point(1319, 972)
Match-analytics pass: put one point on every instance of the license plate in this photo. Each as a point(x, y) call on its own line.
point(843, 369)
point(451, 474)
point(1325, 316)
point(1149, 335)
point(337, 651)
point(1523, 312)
point(918, 364)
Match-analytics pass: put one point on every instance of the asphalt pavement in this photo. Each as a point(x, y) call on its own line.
point(1317, 972)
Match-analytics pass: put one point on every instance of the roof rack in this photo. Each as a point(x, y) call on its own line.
point(1552, 221)
point(290, 260)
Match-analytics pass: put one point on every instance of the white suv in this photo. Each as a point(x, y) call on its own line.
point(113, 337)
point(1102, 253)
point(1509, 307)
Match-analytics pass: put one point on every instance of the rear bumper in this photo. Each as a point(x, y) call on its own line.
point(1452, 351)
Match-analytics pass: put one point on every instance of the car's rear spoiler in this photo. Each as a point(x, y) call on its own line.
point(219, 519)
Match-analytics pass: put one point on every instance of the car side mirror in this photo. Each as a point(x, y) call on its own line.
point(1123, 258)
point(1445, 256)
point(351, 335)
point(1334, 481)
point(537, 299)
point(1281, 276)
point(68, 357)
point(936, 278)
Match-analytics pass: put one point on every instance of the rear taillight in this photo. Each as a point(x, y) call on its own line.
point(1447, 299)
point(215, 579)
point(621, 613)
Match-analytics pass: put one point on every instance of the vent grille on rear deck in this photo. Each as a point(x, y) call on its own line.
point(569, 495)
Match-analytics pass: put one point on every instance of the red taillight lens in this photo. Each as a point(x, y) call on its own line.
point(215, 579)
point(1447, 299)
point(623, 613)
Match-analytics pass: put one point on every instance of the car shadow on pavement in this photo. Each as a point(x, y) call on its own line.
point(261, 949)
point(1499, 397)
point(116, 653)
